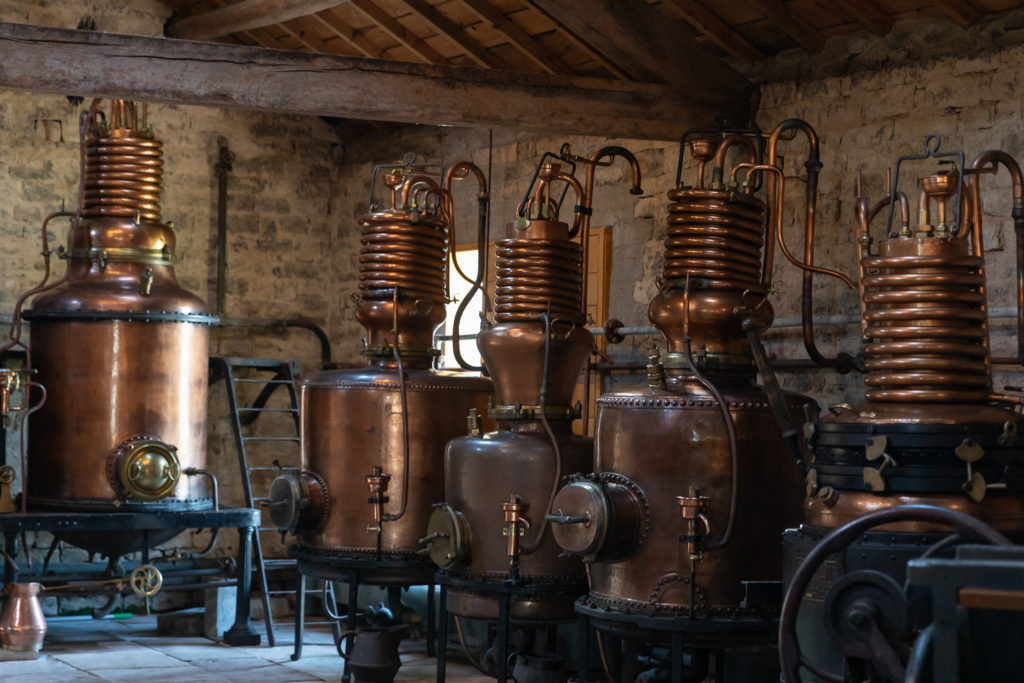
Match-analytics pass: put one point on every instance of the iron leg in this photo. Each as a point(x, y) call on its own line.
point(431, 625)
point(504, 598)
point(677, 657)
point(442, 636)
point(584, 634)
point(242, 633)
point(353, 609)
point(300, 616)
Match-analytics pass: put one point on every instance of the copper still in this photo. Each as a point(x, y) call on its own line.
point(373, 438)
point(931, 431)
point(692, 481)
point(493, 525)
point(119, 345)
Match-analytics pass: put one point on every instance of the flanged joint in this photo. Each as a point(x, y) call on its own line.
point(298, 502)
point(145, 468)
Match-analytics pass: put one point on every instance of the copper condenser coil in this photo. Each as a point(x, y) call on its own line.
point(120, 347)
point(373, 438)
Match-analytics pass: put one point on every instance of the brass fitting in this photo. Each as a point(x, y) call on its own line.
point(378, 483)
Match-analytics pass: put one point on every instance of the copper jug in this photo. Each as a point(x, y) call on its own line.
point(372, 657)
point(22, 625)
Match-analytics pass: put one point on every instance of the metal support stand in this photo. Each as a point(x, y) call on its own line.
point(393, 574)
point(243, 519)
point(504, 591)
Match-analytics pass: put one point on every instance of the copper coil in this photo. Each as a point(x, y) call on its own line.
point(926, 329)
point(715, 237)
point(538, 276)
point(404, 251)
point(123, 176)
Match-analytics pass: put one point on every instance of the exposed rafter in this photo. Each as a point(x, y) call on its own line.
point(399, 32)
point(869, 15)
point(243, 16)
point(518, 37)
point(347, 33)
point(217, 74)
point(581, 44)
point(708, 23)
point(649, 46)
point(792, 24)
point(963, 13)
point(450, 30)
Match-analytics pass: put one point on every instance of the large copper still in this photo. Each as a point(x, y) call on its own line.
point(119, 345)
point(373, 438)
point(932, 430)
point(692, 481)
point(499, 485)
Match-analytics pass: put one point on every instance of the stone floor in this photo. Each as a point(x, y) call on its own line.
point(131, 650)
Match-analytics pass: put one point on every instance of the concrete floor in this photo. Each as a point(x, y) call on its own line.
point(131, 650)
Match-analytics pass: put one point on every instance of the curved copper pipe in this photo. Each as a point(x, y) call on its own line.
point(996, 157)
point(414, 184)
point(587, 200)
point(718, 169)
point(551, 173)
point(813, 166)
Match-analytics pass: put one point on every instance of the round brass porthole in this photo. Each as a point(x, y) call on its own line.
point(147, 468)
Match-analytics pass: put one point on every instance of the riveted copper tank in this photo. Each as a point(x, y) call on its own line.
point(119, 345)
point(931, 430)
point(373, 438)
point(692, 481)
point(493, 526)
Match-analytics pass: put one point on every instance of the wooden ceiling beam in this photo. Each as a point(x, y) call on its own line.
point(453, 32)
point(869, 15)
point(647, 44)
point(44, 59)
point(519, 38)
point(399, 32)
point(708, 23)
point(346, 33)
point(243, 16)
point(792, 24)
point(960, 11)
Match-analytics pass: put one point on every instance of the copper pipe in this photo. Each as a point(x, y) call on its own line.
point(813, 166)
point(535, 276)
point(996, 157)
point(718, 170)
point(415, 184)
point(404, 401)
point(587, 198)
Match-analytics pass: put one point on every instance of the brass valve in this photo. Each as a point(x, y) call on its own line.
point(6, 479)
point(692, 508)
point(516, 524)
point(378, 483)
point(873, 450)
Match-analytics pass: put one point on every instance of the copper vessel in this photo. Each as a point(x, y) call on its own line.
point(493, 526)
point(22, 624)
point(373, 438)
point(120, 347)
point(692, 480)
point(932, 430)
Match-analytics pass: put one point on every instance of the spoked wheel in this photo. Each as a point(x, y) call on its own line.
point(868, 615)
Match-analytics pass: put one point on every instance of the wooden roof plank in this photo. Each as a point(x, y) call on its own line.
point(450, 30)
point(90, 63)
point(399, 32)
point(586, 47)
point(720, 33)
point(346, 33)
point(518, 37)
point(869, 15)
point(646, 43)
point(960, 11)
point(243, 16)
point(792, 24)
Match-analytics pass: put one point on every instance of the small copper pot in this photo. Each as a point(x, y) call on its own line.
point(22, 624)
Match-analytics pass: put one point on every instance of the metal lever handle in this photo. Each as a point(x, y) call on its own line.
point(569, 519)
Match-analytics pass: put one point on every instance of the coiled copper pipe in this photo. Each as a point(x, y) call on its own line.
point(716, 238)
point(925, 323)
point(123, 168)
point(406, 247)
point(537, 277)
